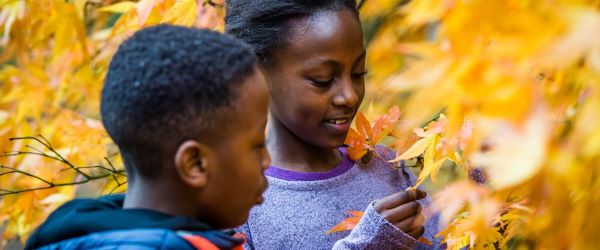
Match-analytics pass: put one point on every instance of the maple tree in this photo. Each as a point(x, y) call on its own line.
point(506, 88)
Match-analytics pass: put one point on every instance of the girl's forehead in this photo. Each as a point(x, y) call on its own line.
point(328, 32)
point(325, 24)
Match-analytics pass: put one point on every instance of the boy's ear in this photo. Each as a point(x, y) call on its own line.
point(264, 70)
point(192, 162)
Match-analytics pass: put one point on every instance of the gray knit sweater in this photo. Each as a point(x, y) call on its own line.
point(300, 207)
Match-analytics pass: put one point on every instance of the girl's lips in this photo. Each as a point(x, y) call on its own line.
point(260, 198)
point(337, 126)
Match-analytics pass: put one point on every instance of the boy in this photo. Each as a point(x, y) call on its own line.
point(187, 109)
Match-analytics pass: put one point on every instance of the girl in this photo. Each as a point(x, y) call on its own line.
point(313, 57)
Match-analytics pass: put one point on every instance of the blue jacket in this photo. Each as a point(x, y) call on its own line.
point(136, 239)
point(103, 224)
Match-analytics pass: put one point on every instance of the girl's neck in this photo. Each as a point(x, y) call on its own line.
point(290, 152)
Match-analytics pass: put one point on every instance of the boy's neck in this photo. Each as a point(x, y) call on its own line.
point(290, 152)
point(157, 196)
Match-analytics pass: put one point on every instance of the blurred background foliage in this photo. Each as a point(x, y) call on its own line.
point(502, 89)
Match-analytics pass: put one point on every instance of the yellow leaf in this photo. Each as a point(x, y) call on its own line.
point(3, 116)
point(582, 40)
point(416, 149)
point(459, 243)
point(429, 169)
point(144, 9)
point(120, 7)
point(183, 13)
point(516, 153)
point(11, 12)
point(70, 29)
point(56, 198)
point(429, 153)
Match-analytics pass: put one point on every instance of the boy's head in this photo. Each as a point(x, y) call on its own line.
point(188, 107)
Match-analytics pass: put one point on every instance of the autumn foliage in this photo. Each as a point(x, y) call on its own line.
point(54, 56)
point(509, 89)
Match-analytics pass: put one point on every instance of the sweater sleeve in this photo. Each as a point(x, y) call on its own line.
point(374, 232)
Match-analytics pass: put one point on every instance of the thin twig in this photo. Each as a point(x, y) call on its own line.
point(118, 185)
point(15, 153)
point(35, 149)
point(14, 170)
point(110, 164)
point(30, 138)
point(115, 172)
point(390, 164)
point(46, 144)
point(112, 171)
point(116, 179)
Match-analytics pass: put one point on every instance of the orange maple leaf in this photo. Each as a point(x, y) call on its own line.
point(425, 241)
point(365, 137)
point(351, 222)
point(348, 223)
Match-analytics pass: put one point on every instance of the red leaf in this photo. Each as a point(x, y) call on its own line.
point(365, 137)
point(357, 146)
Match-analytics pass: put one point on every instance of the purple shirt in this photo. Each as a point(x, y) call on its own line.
point(282, 174)
point(300, 207)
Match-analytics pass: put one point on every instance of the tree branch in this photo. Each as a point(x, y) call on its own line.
point(110, 171)
point(14, 170)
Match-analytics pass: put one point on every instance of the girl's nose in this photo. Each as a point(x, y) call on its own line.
point(346, 94)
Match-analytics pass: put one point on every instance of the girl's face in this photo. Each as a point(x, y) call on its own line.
point(316, 79)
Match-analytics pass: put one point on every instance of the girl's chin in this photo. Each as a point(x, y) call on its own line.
point(331, 142)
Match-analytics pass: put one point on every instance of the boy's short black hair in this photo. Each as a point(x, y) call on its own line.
point(167, 84)
point(264, 24)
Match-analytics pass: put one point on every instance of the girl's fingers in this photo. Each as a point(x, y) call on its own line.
point(411, 223)
point(402, 212)
point(399, 198)
point(419, 221)
point(417, 232)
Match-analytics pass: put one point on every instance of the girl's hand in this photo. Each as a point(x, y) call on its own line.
point(402, 210)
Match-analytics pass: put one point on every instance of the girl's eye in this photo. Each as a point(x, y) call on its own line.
point(322, 83)
point(359, 75)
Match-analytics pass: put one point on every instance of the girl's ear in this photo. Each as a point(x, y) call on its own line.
point(193, 163)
